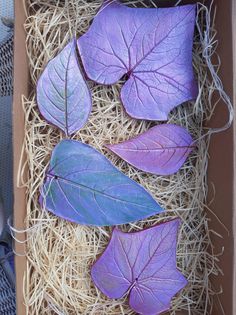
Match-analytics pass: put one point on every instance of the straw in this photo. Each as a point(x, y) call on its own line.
point(59, 253)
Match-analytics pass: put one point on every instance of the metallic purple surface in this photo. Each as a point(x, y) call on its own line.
point(152, 46)
point(82, 186)
point(161, 150)
point(143, 265)
point(62, 93)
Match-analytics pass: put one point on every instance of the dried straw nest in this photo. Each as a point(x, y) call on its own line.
point(60, 253)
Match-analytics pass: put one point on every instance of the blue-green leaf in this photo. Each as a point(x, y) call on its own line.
point(82, 186)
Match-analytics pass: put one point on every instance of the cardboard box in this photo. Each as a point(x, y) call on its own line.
point(221, 164)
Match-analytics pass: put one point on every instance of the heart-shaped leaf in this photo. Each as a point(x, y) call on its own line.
point(152, 46)
point(83, 186)
point(143, 265)
point(161, 150)
point(62, 93)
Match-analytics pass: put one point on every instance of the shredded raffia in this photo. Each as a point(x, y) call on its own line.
point(59, 253)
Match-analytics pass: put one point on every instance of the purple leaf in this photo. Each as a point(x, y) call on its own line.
point(83, 186)
point(152, 46)
point(143, 265)
point(161, 150)
point(62, 94)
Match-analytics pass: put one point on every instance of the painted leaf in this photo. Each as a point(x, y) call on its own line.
point(62, 93)
point(83, 186)
point(161, 150)
point(152, 46)
point(143, 265)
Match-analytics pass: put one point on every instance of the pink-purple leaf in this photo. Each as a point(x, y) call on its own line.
point(82, 186)
point(161, 150)
point(143, 265)
point(152, 46)
point(63, 96)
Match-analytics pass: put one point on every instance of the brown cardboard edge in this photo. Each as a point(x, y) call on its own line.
point(234, 133)
point(221, 168)
point(21, 77)
point(20, 81)
point(223, 208)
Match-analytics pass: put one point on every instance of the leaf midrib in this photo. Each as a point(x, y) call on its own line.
point(154, 149)
point(156, 44)
point(67, 181)
point(66, 86)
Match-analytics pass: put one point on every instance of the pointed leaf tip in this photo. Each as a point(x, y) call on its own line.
point(82, 186)
point(152, 46)
point(161, 150)
point(142, 265)
point(63, 96)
